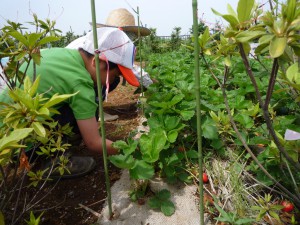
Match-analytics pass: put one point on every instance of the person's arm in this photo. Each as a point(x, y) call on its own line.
point(91, 137)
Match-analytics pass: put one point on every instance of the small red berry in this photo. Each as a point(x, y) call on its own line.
point(287, 206)
point(181, 148)
point(204, 178)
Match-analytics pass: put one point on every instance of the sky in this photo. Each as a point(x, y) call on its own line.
point(75, 15)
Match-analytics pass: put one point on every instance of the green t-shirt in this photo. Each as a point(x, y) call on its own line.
point(63, 71)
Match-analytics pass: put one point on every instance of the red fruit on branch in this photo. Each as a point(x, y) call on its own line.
point(204, 178)
point(287, 206)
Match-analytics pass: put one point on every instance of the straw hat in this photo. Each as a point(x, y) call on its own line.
point(125, 20)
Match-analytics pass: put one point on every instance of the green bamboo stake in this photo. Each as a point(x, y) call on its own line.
point(101, 114)
point(140, 44)
point(140, 51)
point(197, 92)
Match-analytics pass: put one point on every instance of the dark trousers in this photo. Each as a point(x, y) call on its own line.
point(67, 116)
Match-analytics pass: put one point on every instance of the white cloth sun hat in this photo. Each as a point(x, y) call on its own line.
point(113, 45)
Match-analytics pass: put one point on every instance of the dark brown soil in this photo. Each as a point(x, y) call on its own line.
point(63, 205)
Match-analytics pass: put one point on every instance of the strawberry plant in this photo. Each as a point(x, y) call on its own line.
point(247, 101)
point(161, 201)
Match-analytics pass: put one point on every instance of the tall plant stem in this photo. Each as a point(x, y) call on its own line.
point(99, 88)
point(265, 110)
point(271, 83)
point(18, 198)
point(197, 93)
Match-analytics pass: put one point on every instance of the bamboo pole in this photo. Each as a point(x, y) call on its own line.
point(101, 114)
point(141, 65)
point(197, 92)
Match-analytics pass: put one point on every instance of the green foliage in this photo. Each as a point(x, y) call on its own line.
point(265, 207)
point(231, 218)
point(65, 39)
point(246, 102)
point(175, 41)
point(162, 44)
point(201, 28)
point(33, 220)
point(161, 201)
point(21, 46)
point(2, 222)
point(27, 126)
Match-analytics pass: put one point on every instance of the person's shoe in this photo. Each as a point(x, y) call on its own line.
point(108, 117)
point(77, 166)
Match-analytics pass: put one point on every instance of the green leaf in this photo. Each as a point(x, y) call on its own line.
point(209, 129)
point(19, 95)
point(231, 11)
point(171, 122)
point(274, 215)
point(245, 120)
point(227, 61)
point(163, 194)
point(172, 136)
point(55, 99)
point(192, 154)
point(292, 72)
point(48, 39)
point(184, 177)
point(277, 46)
point(232, 20)
point(122, 161)
point(216, 12)
point(21, 55)
point(2, 221)
point(291, 10)
point(187, 114)
point(260, 49)
point(221, 211)
point(154, 203)
point(27, 83)
point(176, 99)
point(277, 207)
point(5, 151)
point(36, 58)
point(225, 218)
point(204, 38)
point(256, 207)
point(33, 38)
point(168, 208)
point(141, 170)
point(244, 10)
point(14, 137)
point(44, 111)
point(244, 221)
point(151, 144)
point(266, 39)
point(127, 148)
point(261, 214)
point(39, 129)
point(247, 35)
point(17, 35)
